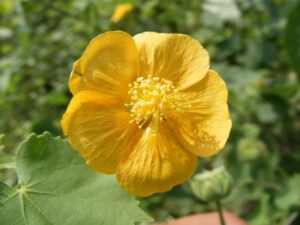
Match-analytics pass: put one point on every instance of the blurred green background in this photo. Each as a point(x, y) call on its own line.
point(253, 44)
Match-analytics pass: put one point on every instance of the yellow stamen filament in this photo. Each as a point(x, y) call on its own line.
point(150, 99)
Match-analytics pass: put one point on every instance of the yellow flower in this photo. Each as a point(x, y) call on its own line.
point(121, 11)
point(145, 107)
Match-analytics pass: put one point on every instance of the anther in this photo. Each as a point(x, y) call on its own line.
point(150, 98)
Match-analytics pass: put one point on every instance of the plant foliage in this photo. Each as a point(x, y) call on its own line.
point(56, 187)
point(253, 44)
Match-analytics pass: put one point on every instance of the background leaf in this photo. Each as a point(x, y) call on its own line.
point(56, 187)
point(246, 41)
point(289, 195)
point(292, 38)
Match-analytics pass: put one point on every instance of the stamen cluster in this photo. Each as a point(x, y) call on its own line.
point(149, 97)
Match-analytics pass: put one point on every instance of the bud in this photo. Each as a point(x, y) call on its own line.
point(250, 149)
point(212, 185)
point(251, 130)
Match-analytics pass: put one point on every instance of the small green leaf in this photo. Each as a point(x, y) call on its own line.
point(56, 187)
point(223, 10)
point(261, 214)
point(266, 113)
point(292, 38)
point(237, 77)
point(289, 196)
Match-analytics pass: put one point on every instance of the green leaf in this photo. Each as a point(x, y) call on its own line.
point(261, 214)
point(266, 113)
point(292, 38)
point(223, 10)
point(7, 161)
point(289, 196)
point(133, 2)
point(56, 187)
point(237, 77)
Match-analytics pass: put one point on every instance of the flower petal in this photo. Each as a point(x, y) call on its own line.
point(176, 57)
point(204, 127)
point(155, 163)
point(121, 11)
point(97, 129)
point(108, 65)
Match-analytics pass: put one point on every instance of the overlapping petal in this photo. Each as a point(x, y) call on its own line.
point(204, 127)
point(176, 57)
point(98, 129)
point(155, 163)
point(108, 65)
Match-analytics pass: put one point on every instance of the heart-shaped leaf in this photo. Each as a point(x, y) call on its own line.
point(57, 188)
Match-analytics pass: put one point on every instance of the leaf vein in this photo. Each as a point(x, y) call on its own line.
point(38, 210)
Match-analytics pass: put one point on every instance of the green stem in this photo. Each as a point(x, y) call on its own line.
point(220, 211)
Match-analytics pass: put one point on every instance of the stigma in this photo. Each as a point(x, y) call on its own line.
point(150, 99)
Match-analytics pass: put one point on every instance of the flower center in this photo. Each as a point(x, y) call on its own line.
point(150, 97)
